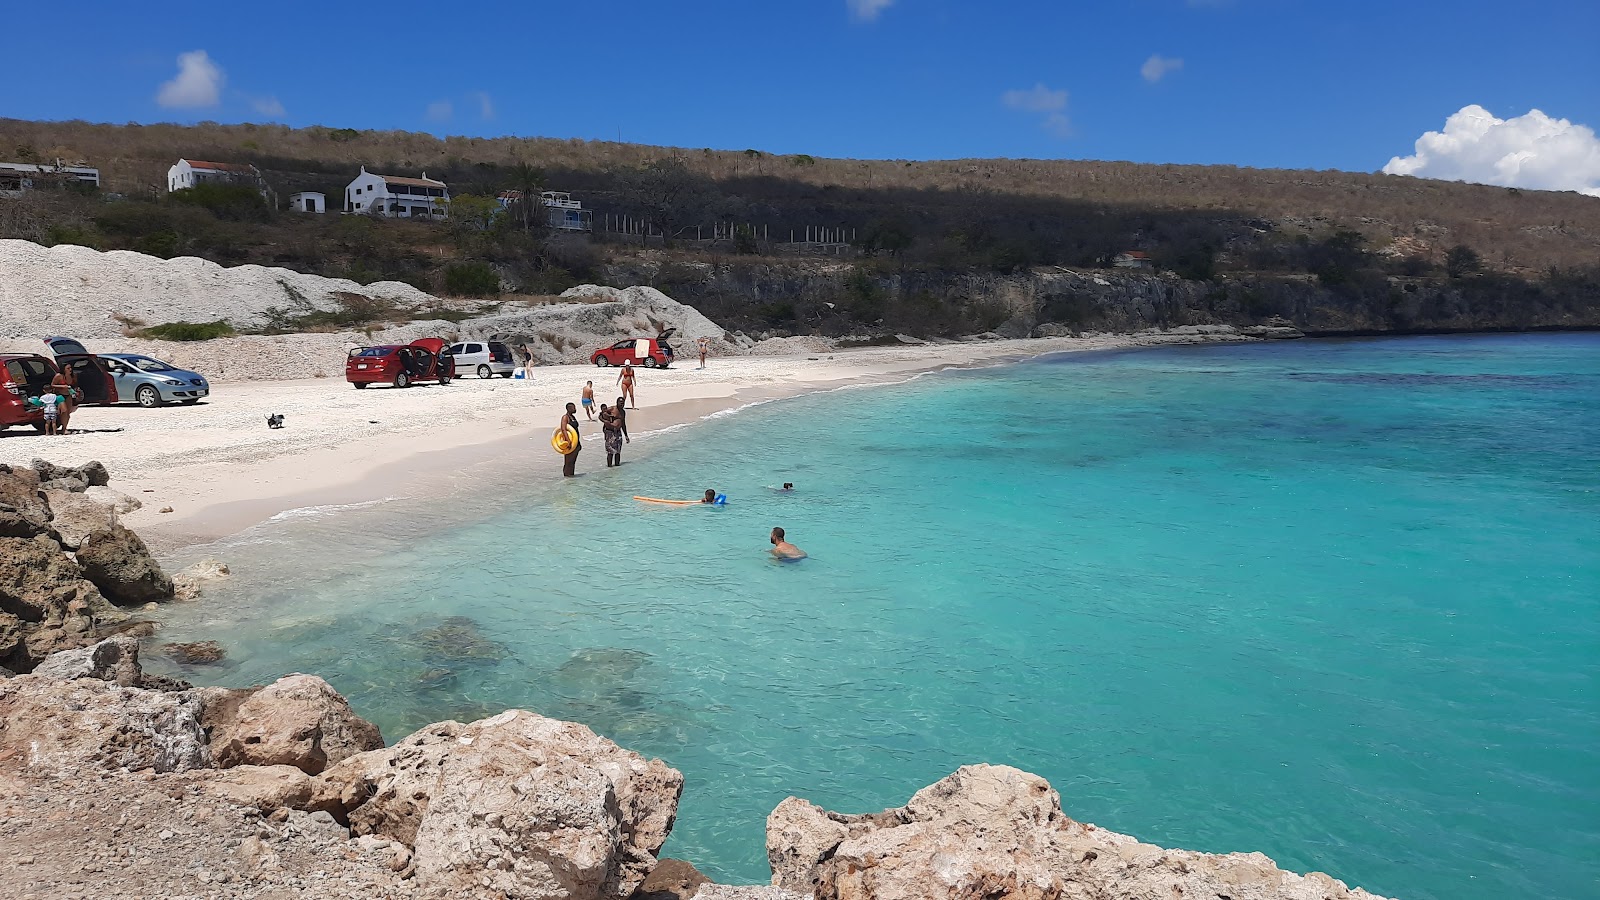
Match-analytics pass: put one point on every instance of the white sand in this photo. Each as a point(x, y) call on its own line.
point(221, 470)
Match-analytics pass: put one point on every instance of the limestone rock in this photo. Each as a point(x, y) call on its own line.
point(92, 473)
point(76, 516)
point(671, 879)
point(60, 727)
point(39, 582)
point(265, 787)
point(995, 831)
point(19, 494)
point(190, 583)
point(117, 500)
point(114, 659)
point(195, 653)
point(470, 800)
point(121, 566)
point(298, 721)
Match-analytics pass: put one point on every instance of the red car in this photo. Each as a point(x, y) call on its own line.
point(648, 352)
point(401, 365)
point(23, 375)
point(93, 376)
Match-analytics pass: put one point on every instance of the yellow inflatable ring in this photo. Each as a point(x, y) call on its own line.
point(565, 440)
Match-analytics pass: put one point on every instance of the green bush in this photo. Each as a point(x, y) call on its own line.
point(471, 279)
point(187, 331)
point(233, 202)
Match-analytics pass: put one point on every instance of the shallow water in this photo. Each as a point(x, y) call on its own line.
point(1338, 602)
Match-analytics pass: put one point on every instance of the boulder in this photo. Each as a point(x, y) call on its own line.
point(121, 566)
point(91, 473)
point(671, 879)
point(114, 659)
point(195, 653)
point(65, 485)
point(19, 494)
point(994, 831)
point(473, 800)
point(40, 583)
point(298, 720)
point(1051, 330)
point(76, 516)
point(117, 500)
point(190, 583)
point(13, 640)
point(265, 787)
point(59, 728)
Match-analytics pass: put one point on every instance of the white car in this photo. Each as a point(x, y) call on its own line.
point(487, 358)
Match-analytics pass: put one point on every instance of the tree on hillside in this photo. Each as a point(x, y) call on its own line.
point(1461, 261)
point(528, 180)
point(665, 193)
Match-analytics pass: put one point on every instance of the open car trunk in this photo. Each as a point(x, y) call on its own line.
point(92, 375)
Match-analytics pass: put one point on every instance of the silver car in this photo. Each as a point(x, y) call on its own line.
point(154, 383)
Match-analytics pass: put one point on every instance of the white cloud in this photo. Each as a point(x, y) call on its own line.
point(867, 10)
point(268, 106)
point(440, 111)
point(197, 84)
point(1529, 151)
point(1157, 66)
point(485, 104)
point(1041, 99)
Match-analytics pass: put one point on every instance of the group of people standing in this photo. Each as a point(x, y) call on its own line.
point(59, 400)
point(613, 422)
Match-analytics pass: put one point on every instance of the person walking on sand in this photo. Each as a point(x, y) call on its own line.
point(622, 423)
point(588, 399)
point(625, 379)
point(704, 346)
point(527, 356)
point(569, 464)
point(613, 435)
point(782, 549)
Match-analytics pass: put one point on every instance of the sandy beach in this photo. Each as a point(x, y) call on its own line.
point(220, 470)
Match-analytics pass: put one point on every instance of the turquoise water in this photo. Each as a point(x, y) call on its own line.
point(1338, 602)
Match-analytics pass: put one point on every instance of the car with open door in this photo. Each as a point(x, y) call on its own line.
point(89, 371)
point(486, 358)
point(152, 383)
point(401, 365)
point(23, 376)
point(648, 352)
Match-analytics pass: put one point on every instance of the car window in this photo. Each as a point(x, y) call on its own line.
point(474, 348)
point(371, 351)
point(456, 349)
point(622, 345)
point(146, 364)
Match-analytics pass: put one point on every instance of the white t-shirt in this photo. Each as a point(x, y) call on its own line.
point(49, 400)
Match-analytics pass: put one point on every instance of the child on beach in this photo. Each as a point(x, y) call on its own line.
point(588, 399)
point(613, 435)
point(49, 403)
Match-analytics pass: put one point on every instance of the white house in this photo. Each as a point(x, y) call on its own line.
point(1133, 259)
point(397, 196)
point(188, 173)
point(308, 201)
point(561, 211)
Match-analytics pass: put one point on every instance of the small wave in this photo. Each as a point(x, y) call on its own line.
point(311, 512)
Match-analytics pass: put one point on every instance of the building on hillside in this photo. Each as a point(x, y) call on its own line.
point(189, 173)
point(397, 196)
point(1133, 259)
point(16, 177)
point(308, 201)
point(561, 212)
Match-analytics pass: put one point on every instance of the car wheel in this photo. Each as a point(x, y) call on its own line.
point(649, 362)
point(148, 396)
point(402, 380)
point(484, 371)
point(443, 378)
point(360, 385)
point(601, 361)
point(39, 427)
point(505, 374)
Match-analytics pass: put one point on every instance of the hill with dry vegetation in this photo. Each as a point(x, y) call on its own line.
point(1357, 238)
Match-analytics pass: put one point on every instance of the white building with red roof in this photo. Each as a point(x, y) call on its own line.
point(189, 173)
point(397, 196)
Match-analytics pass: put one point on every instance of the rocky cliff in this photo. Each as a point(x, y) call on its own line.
point(846, 298)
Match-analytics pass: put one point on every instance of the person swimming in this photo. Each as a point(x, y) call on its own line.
point(782, 549)
point(710, 497)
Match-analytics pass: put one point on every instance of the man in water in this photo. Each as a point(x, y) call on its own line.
point(625, 380)
point(788, 487)
point(782, 549)
point(710, 497)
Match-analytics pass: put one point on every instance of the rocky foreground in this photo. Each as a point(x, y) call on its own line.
point(116, 784)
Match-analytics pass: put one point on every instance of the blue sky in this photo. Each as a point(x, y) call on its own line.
point(1342, 84)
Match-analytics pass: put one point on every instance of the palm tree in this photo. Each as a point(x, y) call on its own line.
point(529, 180)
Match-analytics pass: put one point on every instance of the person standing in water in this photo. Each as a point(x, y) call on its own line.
point(569, 464)
point(588, 399)
point(622, 423)
point(625, 380)
point(782, 549)
point(613, 435)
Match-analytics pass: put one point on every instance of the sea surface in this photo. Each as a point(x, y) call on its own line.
point(1336, 601)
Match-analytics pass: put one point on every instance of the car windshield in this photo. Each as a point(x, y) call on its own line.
point(146, 364)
